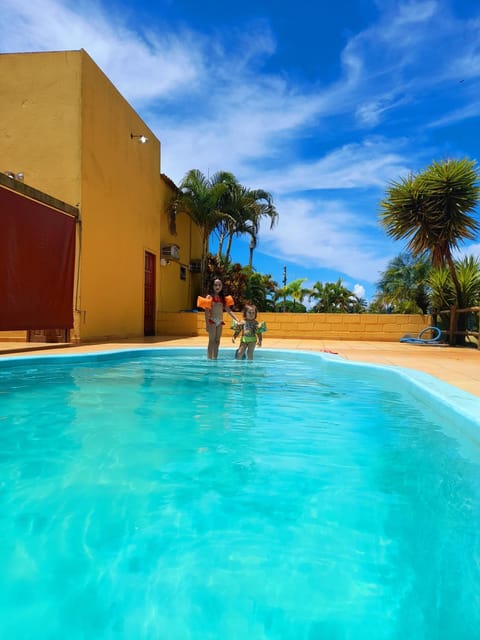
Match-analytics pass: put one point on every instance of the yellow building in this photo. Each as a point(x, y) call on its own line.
point(72, 135)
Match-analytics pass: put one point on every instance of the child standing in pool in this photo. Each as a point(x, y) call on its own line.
point(215, 303)
point(250, 331)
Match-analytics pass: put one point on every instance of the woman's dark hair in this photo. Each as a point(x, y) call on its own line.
point(212, 292)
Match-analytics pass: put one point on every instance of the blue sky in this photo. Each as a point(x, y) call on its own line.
point(322, 104)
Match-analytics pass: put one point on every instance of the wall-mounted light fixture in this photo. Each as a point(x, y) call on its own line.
point(16, 176)
point(139, 137)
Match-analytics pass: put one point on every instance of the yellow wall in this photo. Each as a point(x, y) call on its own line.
point(40, 120)
point(177, 294)
point(120, 210)
point(67, 128)
point(13, 336)
point(319, 326)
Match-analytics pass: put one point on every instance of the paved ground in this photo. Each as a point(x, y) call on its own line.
point(457, 366)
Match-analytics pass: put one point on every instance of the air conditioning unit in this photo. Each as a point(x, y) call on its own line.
point(171, 251)
point(195, 266)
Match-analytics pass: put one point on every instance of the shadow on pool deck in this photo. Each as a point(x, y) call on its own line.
point(458, 366)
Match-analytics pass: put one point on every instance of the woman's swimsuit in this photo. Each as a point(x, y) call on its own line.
point(207, 303)
point(217, 321)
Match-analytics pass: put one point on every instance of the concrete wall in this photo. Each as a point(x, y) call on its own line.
point(68, 129)
point(328, 326)
point(321, 326)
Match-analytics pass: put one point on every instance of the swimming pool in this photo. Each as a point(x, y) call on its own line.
point(156, 494)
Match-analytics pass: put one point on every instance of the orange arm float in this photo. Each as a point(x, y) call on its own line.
point(229, 301)
point(204, 303)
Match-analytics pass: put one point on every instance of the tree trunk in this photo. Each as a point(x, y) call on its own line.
point(221, 239)
point(205, 239)
point(250, 256)
point(460, 324)
point(229, 246)
point(251, 248)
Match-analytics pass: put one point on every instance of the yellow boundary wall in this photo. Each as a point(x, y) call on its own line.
point(13, 336)
point(310, 326)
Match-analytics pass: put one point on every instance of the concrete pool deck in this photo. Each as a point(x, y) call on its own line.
point(459, 367)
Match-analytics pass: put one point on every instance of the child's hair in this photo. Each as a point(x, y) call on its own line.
point(249, 306)
point(222, 292)
point(210, 284)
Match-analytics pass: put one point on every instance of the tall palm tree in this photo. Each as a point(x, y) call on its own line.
point(201, 198)
point(403, 285)
point(251, 248)
point(235, 203)
point(433, 211)
point(245, 208)
point(262, 207)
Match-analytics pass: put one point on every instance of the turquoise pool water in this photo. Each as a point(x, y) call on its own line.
point(161, 495)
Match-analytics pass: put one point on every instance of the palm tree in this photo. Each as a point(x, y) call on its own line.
point(444, 295)
point(443, 291)
point(260, 289)
point(433, 211)
point(262, 207)
point(201, 198)
point(293, 290)
point(245, 208)
point(297, 291)
point(236, 203)
point(251, 248)
point(319, 292)
point(356, 304)
point(403, 285)
point(334, 297)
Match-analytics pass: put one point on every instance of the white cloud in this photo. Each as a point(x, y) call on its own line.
point(238, 129)
point(359, 291)
point(416, 12)
point(373, 162)
point(457, 115)
point(325, 234)
point(141, 66)
point(214, 106)
point(470, 250)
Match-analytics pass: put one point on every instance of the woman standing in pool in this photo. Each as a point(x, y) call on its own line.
point(215, 303)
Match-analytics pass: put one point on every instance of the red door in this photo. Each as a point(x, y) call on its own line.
point(149, 307)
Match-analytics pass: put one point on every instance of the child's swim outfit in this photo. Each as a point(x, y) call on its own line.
point(249, 329)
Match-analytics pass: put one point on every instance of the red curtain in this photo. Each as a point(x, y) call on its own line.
point(37, 264)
